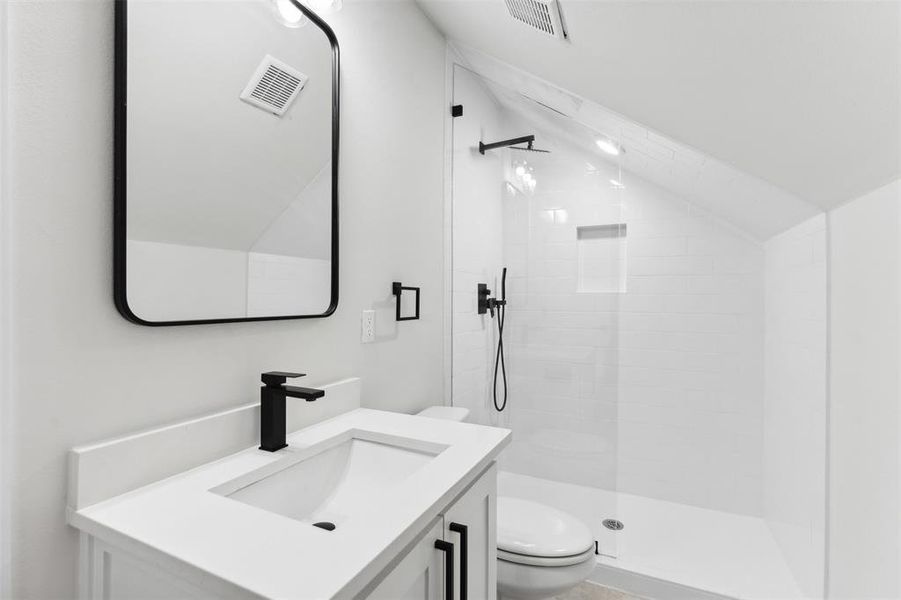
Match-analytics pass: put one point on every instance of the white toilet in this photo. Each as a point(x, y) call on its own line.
point(541, 551)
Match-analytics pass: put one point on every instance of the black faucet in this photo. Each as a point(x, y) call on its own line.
point(272, 407)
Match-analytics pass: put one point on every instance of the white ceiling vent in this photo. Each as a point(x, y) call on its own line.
point(543, 15)
point(274, 86)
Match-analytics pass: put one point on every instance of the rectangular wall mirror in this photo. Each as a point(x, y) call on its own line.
point(226, 162)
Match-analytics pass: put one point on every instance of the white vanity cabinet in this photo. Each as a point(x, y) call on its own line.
point(405, 508)
point(420, 572)
point(476, 510)
point(467, 527)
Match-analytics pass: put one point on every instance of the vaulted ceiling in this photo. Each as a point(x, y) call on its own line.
point(759, 209)
point(204, 167)
point(803, 95)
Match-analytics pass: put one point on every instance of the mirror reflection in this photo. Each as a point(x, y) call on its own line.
point(229, 170)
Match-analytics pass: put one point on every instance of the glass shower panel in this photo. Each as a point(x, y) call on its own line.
point(554, 218)
point(664, 340)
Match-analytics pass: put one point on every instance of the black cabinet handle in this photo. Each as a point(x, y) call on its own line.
point(463, 530)
point(448, 550)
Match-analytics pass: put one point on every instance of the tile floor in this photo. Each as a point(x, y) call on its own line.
point(592, 591)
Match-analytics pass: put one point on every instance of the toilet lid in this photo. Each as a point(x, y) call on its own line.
point(448, 413)
point(533, 529)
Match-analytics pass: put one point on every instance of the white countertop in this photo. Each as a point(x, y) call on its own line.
point(273, 556)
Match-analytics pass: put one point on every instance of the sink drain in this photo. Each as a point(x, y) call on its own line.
point(613, 524)
point(325, 525)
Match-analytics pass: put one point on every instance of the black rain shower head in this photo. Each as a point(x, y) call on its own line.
point(530, 149)
point(528, 140)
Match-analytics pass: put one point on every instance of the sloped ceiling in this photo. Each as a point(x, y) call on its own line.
point(803, 95)
point(205, 168)
point(759, 209)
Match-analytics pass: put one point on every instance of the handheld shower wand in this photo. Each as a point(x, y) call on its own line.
point(488, 304)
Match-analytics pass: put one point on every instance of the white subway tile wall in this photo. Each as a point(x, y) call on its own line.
point(563, 344)
point(794, 406)
point(657, 391)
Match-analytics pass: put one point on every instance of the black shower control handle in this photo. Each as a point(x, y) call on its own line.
point(483, 296)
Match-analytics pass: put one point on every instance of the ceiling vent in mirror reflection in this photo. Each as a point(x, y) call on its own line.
point(543, 15)
point(274, 86)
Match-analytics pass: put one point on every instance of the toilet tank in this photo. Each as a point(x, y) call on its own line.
point(448, 413)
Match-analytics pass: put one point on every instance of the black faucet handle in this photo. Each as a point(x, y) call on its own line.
point(277, 378)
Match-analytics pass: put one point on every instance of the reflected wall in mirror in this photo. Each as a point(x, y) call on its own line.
point(226, 161)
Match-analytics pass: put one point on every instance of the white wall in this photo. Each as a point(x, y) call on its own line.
point(302, 229)
point(794, 420)
point(5, 408)
point(865, 506)
point(286, 272)
point(81, 372)
point(175, 282)
point(287, 285)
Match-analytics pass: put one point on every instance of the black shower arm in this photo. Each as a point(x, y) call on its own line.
point(526, 139)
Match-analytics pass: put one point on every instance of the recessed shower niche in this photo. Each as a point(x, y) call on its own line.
point(226, 162)
point(602, 258)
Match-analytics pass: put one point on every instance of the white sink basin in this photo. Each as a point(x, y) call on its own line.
point(331, 481)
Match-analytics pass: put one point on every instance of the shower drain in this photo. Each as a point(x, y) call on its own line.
point(613, 524)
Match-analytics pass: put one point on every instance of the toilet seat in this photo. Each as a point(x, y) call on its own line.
point(543, 561)
point(530, 533)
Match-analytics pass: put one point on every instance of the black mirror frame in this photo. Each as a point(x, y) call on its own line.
point(120, 85)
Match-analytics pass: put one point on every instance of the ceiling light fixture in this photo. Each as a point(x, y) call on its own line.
point(291, 16)
point(610, 147)
point(288, 14)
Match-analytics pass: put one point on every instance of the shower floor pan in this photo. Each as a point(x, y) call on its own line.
point(670, 551)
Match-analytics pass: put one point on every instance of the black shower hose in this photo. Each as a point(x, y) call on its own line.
point(499, 364)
